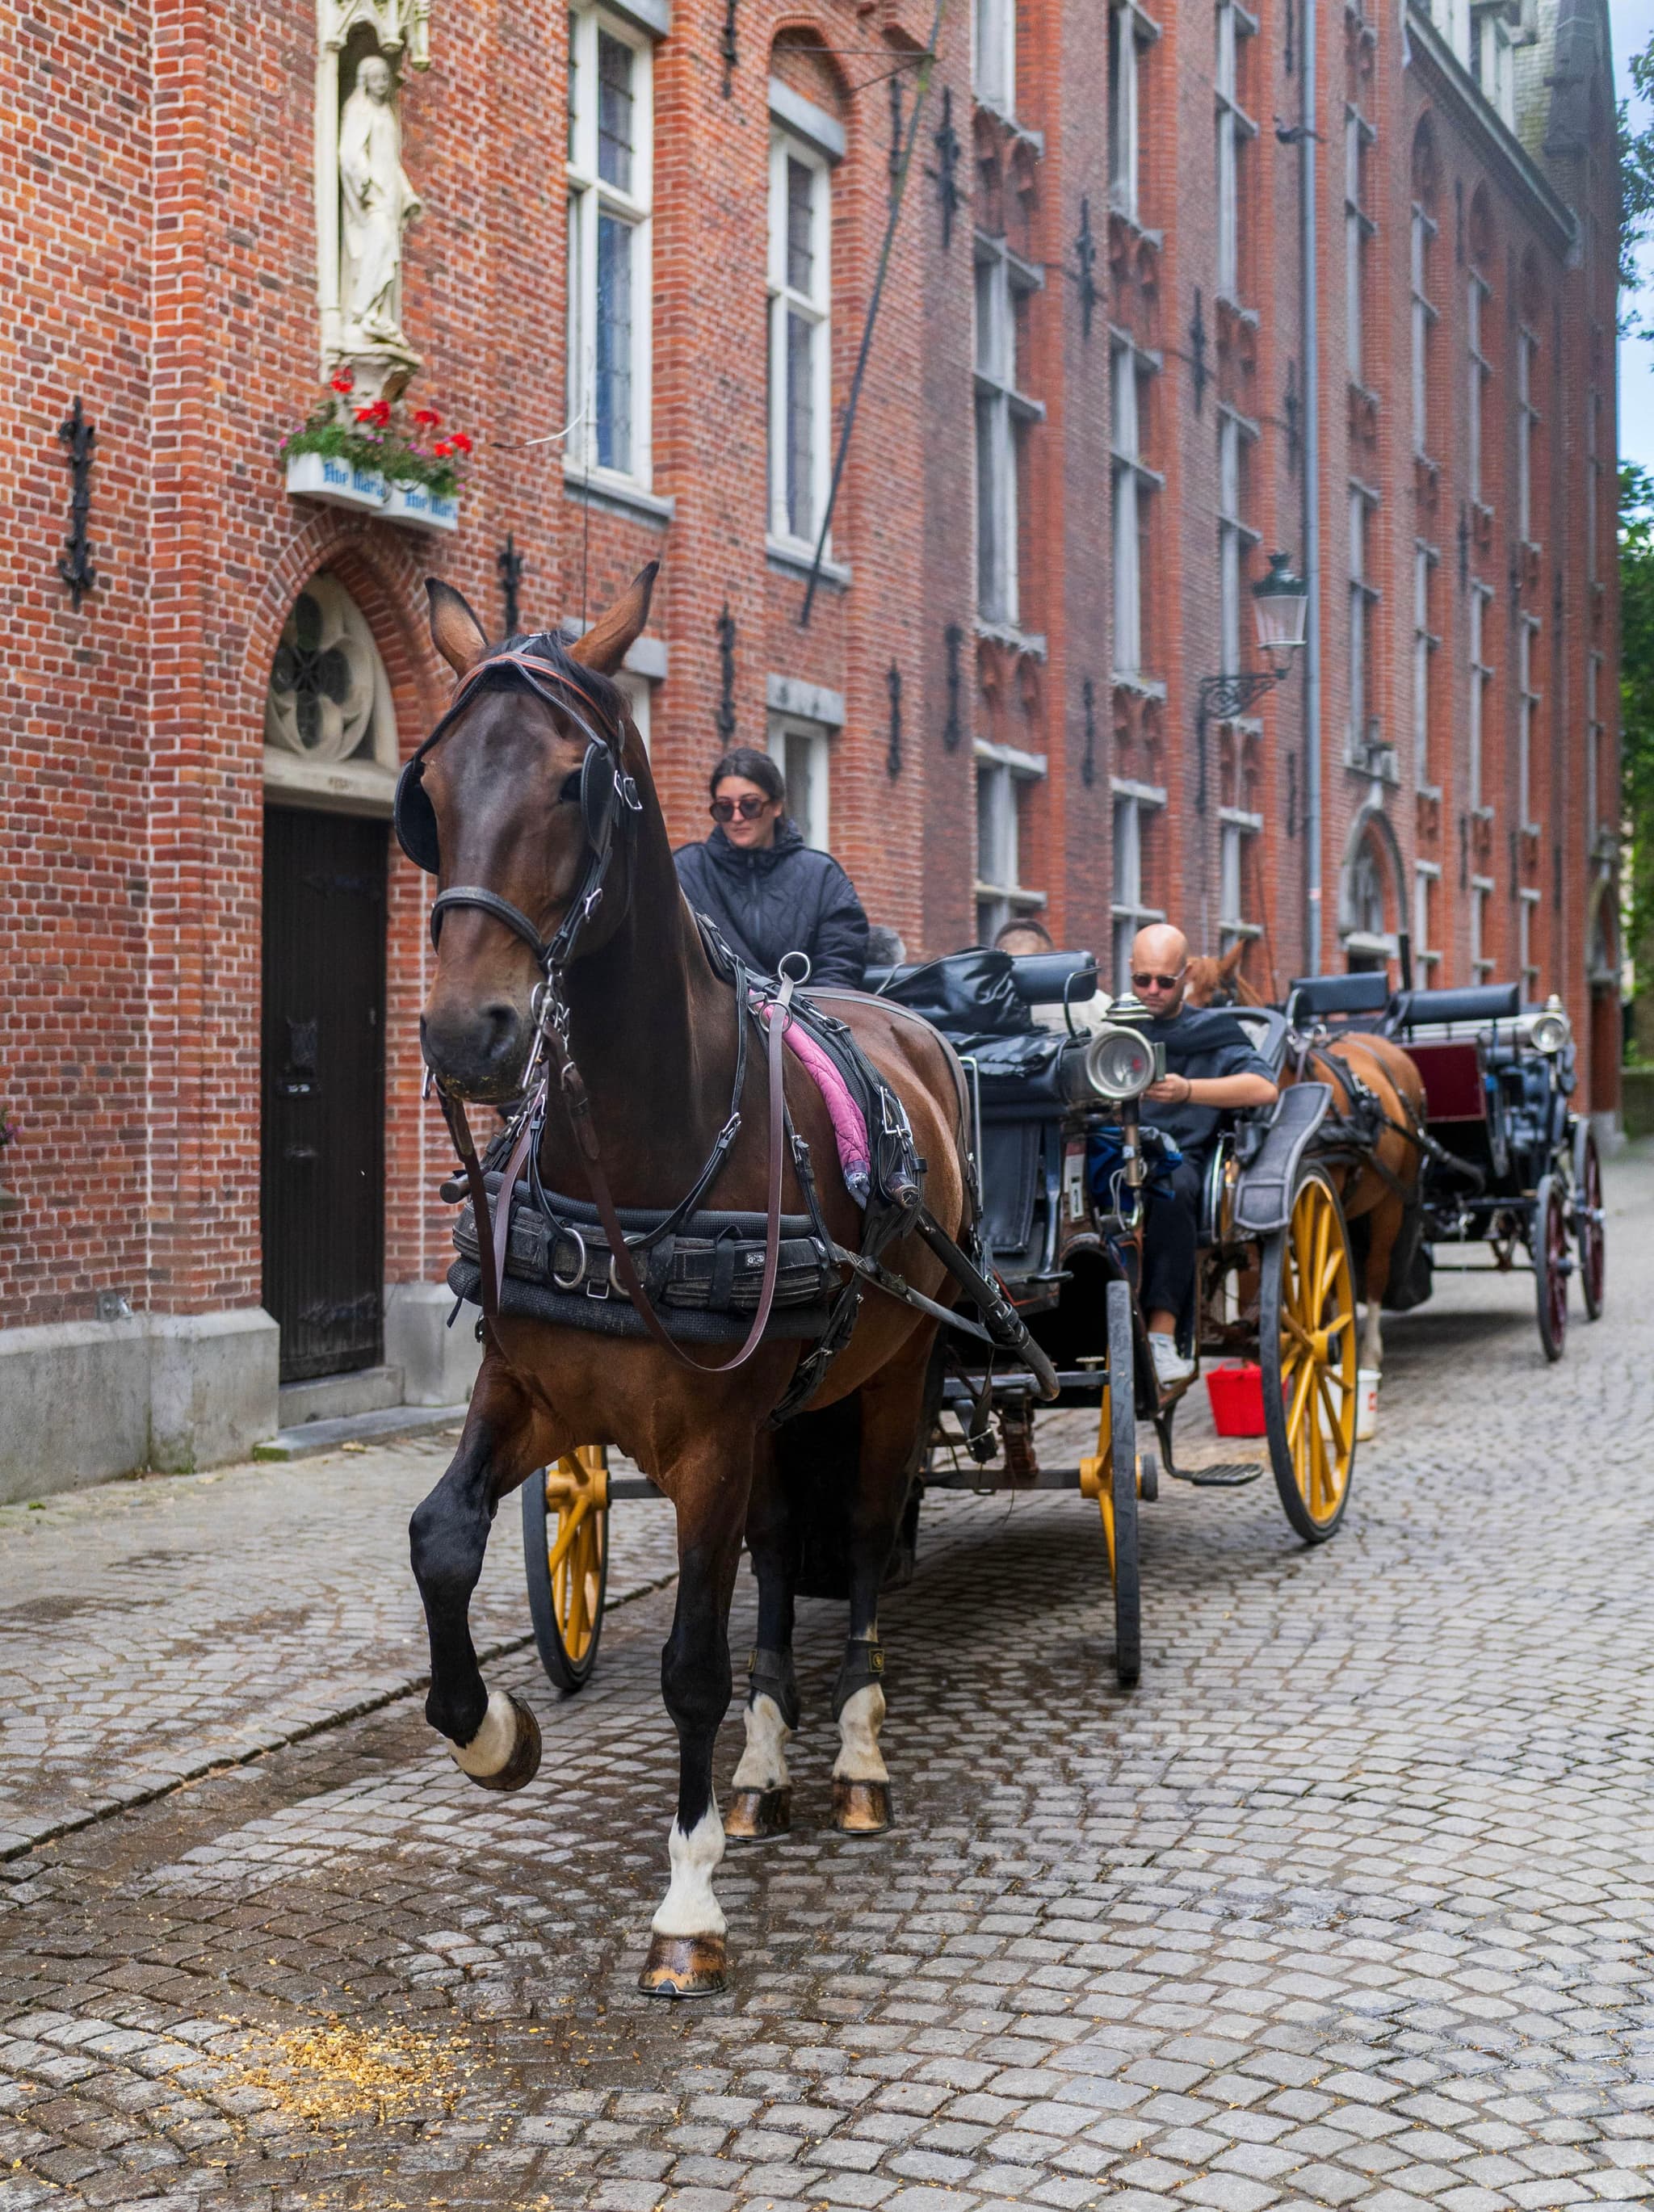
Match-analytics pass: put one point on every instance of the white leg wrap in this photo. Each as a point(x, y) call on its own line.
point(494, 1742)
point(860, 1759)
point(1372, 1337)
point(764, 1763)
point(688, 1907)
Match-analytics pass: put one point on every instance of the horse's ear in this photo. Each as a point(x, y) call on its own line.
point(606, 644)
point(455, 631)
point(1229, 966)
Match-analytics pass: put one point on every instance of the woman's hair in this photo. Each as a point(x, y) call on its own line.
point(752, 767)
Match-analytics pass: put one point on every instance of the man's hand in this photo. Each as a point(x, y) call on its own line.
point(1212, 1091)
point(1170, 1091)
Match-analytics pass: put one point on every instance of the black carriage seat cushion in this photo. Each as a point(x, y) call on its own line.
point(1263, 1196)
point(1011, 1182)
point(1309, 996)
point(1481, 1002)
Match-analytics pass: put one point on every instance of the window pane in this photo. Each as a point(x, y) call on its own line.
point(800, 234)
point(990, 516)
point(613, 394)
point(614, 111)
point(1229, 875)
point(1127, 853)
point(576, 90)
point(801, 335)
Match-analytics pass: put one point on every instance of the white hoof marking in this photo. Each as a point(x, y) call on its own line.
point(688, 1907)
point(494, 1742)
point(764, 1763)
point(858, 1756)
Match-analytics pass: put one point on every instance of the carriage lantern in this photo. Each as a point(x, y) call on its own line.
point(1118, 1064)
point(1280, 601)
point(1551, 1030)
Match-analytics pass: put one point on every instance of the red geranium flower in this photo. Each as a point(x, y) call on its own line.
point(427, 418)
point(459, 442)
point(441, 449)
point(378, 416)
point(341, 381)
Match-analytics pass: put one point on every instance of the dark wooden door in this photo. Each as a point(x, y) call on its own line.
point(323, 1180)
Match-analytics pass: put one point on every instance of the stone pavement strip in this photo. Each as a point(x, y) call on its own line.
point(1350, 1904)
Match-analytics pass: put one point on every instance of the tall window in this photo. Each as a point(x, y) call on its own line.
point(1528, 718)
point(1424, 646)
point(1358, 230)
point(1424, 322)
point(994, 60)
point(1491, 60)
point(1134, 485)
point(1235, 834)
point(801, 339)
point(804, 752)
point(1427, 954)
point(1527, 422)
point(1362, 600)
point(1527, 950)
point(1478, 292)
point(609, 185)
point(1129, 32)
point(1135, 808)
point(1481, 958)
point(1234, 128)
point(1002, 779)
point(1002, 412)
point(1481, 676)
point(1233, 538)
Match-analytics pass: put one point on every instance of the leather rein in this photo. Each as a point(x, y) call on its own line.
point(550, 1054)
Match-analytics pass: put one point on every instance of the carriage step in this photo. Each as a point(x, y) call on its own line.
point(1223, 1474)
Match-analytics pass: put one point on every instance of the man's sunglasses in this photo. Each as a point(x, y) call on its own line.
point(1158, 982)
point(725, 810)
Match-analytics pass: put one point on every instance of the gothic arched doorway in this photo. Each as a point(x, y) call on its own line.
point(330, 749)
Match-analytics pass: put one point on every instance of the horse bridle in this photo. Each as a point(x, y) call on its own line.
point(607, 797)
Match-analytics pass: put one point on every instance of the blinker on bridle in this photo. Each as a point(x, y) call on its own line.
point(605, 791)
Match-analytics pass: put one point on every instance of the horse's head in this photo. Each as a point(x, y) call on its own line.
point(1219, 983)
point(511, 803)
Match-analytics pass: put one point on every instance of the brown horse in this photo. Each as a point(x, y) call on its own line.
point(1379, 1181)
point(653, 1028)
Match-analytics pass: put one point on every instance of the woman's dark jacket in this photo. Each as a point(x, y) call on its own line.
point(784, 897)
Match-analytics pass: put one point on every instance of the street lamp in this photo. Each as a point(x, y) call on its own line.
point(1280, 604)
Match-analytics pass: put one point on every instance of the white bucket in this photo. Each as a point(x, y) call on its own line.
point(1366, 1404)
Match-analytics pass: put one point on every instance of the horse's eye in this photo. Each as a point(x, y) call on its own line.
point(569, 795)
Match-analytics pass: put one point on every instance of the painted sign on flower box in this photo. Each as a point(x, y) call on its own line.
point(416, 507)
point(334, 481)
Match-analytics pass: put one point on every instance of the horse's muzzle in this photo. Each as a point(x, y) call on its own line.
point(476, 1052)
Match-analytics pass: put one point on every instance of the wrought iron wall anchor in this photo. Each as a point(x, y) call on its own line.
point(74, 561)
point(724, 720)
point(893, 756)
point(1222, 699)
point(509, 563)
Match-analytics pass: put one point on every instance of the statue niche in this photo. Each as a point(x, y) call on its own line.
point(376, 204)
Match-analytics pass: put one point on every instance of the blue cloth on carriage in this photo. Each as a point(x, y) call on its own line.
point(1105, 1156)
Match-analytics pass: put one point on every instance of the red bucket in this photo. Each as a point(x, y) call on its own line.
point(1237, 1395)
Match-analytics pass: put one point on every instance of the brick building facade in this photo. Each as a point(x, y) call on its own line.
point(642, 277)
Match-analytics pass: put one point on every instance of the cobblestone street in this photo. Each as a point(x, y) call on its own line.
point(1350, 1905)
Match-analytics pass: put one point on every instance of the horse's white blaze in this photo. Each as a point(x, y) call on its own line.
point(860, 1759)
point(494, 1742)
point(764, 1763)
point(688, 1907)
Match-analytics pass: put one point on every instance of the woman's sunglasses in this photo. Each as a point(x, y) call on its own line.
point(725, 810)
point(1156, 982)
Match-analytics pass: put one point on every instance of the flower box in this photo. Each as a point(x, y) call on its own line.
point(416, 506)
point(334, 482)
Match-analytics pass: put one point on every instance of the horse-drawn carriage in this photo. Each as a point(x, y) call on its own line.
point(1505, 1160)
point(1064, 1152)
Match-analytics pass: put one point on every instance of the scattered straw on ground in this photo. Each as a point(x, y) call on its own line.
point(331, 2074)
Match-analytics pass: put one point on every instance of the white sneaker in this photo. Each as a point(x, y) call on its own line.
point(1170, 1365)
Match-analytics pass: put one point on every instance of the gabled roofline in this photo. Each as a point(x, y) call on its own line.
point(1499, 145)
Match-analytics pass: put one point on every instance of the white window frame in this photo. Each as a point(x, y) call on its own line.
point(1527, 422)
point(994, 53)
point(1235, 537)
point(793, 738)
point(1528, 901)
point(589, 198)
point(1480, 680)
point(1492, 60)
point(1234, 127)
point(1363, 600)
point(1134, 485)
point(1002, 415)
point(1527, 700)
point(815, 308)
point(1129, 31)
point(1424, 318)
point(1481, 961)
point(1359, 230)
point(1425, 642)
point(1004, 777)
point(1236, 831)
point(1132, 803)
point(1478, 292)
point(1426, 879)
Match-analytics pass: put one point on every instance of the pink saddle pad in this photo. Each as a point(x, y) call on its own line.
point(849, 1127)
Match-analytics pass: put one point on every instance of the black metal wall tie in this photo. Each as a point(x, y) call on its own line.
point(1088, 760)
point(945, 176)
point(893, 756)
point(1197, 351)
point(953, 728)
point(725, 718)
point(728, 48)
point(1085, 269)
point(74, 561)
point(893, 163)
point(510, 564)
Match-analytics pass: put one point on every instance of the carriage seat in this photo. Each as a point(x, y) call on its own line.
point(1349, 1001)
point(1477, 1003)
point(982, 992)
point(1268, 1029)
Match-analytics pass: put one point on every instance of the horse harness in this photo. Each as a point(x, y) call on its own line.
point(690, 1257)
point(1355, 1133)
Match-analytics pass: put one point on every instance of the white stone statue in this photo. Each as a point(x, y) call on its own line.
point(376, 204)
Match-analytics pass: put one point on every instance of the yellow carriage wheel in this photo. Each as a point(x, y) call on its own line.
point(566, 1555)
point(1110, 1476)
point(1308, 1350)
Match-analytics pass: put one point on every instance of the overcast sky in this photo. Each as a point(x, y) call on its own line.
point(1634, 26)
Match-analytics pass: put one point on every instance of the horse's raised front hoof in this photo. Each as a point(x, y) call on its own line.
point(505, 1752)
point(684, 1966)
point(755, 1815)
point(860, 1808)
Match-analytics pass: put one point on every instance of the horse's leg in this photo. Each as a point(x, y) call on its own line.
point(494, 1736)
point(762, 1804)
point(892, 1441)
point(687, 1955)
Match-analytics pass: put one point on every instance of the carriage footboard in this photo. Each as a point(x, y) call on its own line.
point(1263, 1198)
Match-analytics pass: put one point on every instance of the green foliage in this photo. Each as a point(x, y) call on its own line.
point(385, 443)
point(1637, 710)
point(1636, 192)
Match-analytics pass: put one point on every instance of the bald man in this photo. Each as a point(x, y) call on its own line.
point(1211, 1068)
